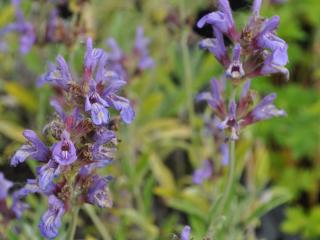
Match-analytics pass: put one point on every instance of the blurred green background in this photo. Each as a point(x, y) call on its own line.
point(278, 160)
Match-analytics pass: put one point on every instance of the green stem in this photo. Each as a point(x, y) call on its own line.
point(97, 222)
point(73, 224)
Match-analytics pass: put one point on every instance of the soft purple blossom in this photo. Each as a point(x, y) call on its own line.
point(64, 152)
point(34, 148)
point(58, 75)
point(5, 185)
point(235, 69)
point(118, 102)
point(203, 173)
point(141, 49)
point(221, 20)
point(51, 220)
point(98, 193)
point(185, 234)
point(217, 47)
point(97, 107)
point(46, 175)
point(264, 110)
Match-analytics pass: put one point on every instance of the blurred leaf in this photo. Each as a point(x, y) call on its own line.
point(11, 130)
point(24, 96)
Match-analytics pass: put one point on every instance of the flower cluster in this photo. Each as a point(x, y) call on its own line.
point(78, 141)
point(56, 29)
point(128, 65)
point(239, 113)
point(257, 50)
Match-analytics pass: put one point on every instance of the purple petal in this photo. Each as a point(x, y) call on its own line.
point(202, 173)
point(51, 220)
point(5, 185)
point(185, 234)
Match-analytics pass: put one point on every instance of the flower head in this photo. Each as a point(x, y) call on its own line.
point(34, 148)
point(64, 152)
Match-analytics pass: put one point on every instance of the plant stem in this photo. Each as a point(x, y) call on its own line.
point(73, 224)
point(97, 222)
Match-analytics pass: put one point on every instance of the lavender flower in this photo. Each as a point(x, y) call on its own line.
point(51, 220)
point(5, 185)
point(257, 50)
point(64, 152)
point(128, 65)
point(185, 234)
point(58, 75)
point(203, 173)
point(141, 49)
point(239, 113)
point(98, 192)
point(34, 148)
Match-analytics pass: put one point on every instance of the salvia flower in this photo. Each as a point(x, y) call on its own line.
point(34, 148)
point(77, 141)
point(239, 113)
point(129, 65)
point(185, 234)
point(257, 49)
point(51, 220)
point(5, 185)
point(203, 173)
point(98, 192)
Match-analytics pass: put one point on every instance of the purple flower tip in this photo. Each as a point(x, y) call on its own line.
point(51, 220)
point(5, 185)
point(202, 173)
point(64, 152)
point(185, 234)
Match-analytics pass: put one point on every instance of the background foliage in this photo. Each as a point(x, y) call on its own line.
point(278, 163)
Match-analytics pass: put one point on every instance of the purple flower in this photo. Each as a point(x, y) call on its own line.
point(119, 103)
point(34, 148)
point(217, 47)
point(64, 152)
point(97, 106)
point(141, 48)
point(264, 110)
point(98, 192)
point(231, 122)
point(214, 98)
point(59, 75)
point(224, 151)
point(235, 69)
point(257, 50)
point(202, 173)
point(18, 206)
point(51, 220)
point(46, 175)
point(5, 185)
point(221, 20)
point(185, 234)
point(91, 59)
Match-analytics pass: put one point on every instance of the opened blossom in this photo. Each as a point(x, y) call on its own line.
point(257, 50)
